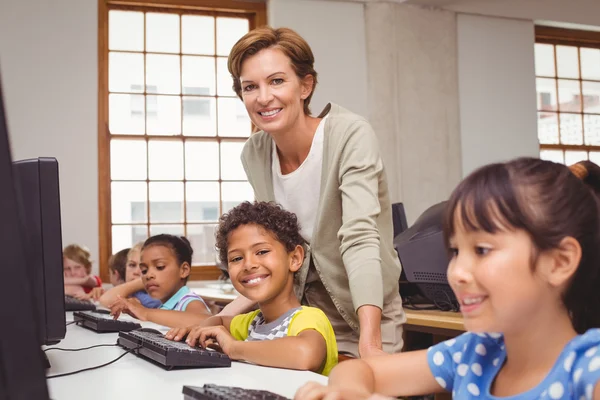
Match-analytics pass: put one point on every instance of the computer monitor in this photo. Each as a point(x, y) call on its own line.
point(399, 218)
point(38, 196)
point(21, 361)
point(424, 258)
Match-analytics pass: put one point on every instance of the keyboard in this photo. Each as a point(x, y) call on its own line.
point(216, 392)
point(153, 346)
point(73, 304)
point(102, 322)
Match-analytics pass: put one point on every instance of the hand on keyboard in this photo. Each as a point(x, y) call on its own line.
point(216, 337)
point(130, 307)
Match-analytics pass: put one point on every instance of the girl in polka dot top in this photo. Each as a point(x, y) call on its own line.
point(524, 239)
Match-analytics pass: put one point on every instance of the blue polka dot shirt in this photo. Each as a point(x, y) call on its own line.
point(468, 364)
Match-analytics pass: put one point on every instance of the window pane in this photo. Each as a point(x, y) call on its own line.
point(552, 155)
point(166, 202)
point(591, 125)
point(125, 72)
point(567, 61)
point(546, 94)
point(571, 129)
point(128, 159)
point(164, 115)
point(591, 96)
point(177, 230)
point(199, 116)
point(125, 30)
point(544, 59)
point(548, 128)
point(202, 201)
point(201, 160)
point(231, 164)
point(162, 74)
point(229, 31)
point(202, 239)
point(198, 34)
point(224, 81)
point(165, 159)
point(595, 157)
point(571, 157)
point(569, 95)
point(129, 202)
point(126, 114)
point(233, 193)
point(198, 75)
point(233, 118)
point(124, 236)
point(590, 63)
point(162, 32)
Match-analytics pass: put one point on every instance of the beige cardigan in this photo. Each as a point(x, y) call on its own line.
point(351, 245)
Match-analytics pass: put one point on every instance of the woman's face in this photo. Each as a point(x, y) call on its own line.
point(272, 92)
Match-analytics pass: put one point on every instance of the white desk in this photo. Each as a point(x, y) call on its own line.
point(134, 378)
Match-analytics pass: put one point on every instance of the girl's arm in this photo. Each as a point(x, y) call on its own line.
point(124, 290)
point(87, 281)
point(192, 332)
point(240, 305)
point(194, 313)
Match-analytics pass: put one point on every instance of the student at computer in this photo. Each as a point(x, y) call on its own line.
point(165, 266)
point(524, 240)
point(263, 248)
point(132, 285)
point(77, 269)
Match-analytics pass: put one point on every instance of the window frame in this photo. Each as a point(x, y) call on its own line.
point(567, 37)
point(256, 13)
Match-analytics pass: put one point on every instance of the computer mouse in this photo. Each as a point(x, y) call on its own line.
point(150, 330)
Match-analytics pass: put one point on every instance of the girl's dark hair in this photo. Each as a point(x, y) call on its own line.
point(180, 246)
point(118, 262)
point(549, 202)
point(282, 224)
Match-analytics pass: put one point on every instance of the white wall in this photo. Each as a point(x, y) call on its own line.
point(48, 61)
point(336, 33)
point(496, 81)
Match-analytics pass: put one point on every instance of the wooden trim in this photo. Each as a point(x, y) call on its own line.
point(569, 147)
point(568, 37)
point(104, 211)
point(205, 273)
point(245, 6)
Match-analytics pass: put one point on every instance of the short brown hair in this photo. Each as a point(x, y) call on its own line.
point(79, 254)
point(284, 39)
point(118, 262)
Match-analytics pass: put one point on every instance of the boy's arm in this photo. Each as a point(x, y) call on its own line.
point(194, 313)
point(87, 281)
point(191, 332)
point(124, 290)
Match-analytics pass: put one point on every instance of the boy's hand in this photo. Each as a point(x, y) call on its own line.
point(316, 391)
point(177, 334)
point(212, 335)
point(128, 306)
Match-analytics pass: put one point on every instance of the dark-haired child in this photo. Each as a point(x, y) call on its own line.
point(263, 249)
point(165, 266)
point(524, 240)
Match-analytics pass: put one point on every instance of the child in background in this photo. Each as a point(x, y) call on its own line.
point(131, 285)
point(77, 270)
point(165, 266)
point(262, 245)
point(524, 241)
point(116, 269)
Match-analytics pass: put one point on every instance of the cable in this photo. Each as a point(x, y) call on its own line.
point(83, 348)
point(71, 323)
point(96, 367)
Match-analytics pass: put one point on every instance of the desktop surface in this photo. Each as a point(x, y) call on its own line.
point(134, 378)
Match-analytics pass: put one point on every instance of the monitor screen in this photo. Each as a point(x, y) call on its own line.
point(21, 360)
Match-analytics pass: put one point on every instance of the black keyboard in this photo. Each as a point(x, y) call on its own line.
point(102, 322)
point(153, 346)
point(73, 304)
point(216, 392)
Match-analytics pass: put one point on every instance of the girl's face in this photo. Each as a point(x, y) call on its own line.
point(494, 281)
point(272, 92)
point(132, 269)
point(73, 269)
point(161, 274)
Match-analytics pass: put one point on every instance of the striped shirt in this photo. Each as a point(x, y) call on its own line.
point(180, 300)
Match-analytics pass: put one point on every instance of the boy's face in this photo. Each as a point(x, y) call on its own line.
point(259, 265)
point(161, 274)
point(73, 269)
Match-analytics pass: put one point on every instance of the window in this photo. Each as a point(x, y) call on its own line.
point(567, 68)
point(171, 129)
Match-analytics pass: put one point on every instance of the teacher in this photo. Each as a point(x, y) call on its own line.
point(328, 171)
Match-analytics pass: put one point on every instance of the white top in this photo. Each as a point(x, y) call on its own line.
point(299, 191)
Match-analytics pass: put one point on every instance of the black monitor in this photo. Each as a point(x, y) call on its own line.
point(424, 258)
point(38, 196)
point(21, 361)
point(399, 218)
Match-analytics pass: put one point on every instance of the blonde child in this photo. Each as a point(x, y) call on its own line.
point(116, 269)
point(77, 270)
point(262, 245)
point(524, 241)
point(131, 286)
point(165, 267)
